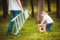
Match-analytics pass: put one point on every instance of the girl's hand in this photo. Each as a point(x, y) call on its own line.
point(42, 25)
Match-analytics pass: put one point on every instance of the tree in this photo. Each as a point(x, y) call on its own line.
point(48, 3)
point(58, 8)
point(32, 7)
point(40, 10)
point(5, 8)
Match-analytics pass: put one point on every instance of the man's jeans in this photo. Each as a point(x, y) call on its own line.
point(12, 15)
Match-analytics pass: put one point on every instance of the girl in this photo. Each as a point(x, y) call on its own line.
point(48, 20)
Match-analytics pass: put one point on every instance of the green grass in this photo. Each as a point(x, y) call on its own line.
point(30, 30)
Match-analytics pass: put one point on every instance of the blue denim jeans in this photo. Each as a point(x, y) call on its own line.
point(48, 27)
point(13, 13)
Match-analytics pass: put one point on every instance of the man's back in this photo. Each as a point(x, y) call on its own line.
point(13, 5)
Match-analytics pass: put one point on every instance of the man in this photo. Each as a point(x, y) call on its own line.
point(15, 8)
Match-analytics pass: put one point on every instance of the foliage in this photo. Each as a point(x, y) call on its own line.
point(30, 30)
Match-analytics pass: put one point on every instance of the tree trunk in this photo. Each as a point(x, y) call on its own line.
point(5, 8)
point(40, 10)
point(32, 7)
point(48, 3)
point(58, 8)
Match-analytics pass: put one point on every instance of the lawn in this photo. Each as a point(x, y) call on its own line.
point(30, 30)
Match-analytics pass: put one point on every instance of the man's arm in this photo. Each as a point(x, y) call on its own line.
point(19, 4)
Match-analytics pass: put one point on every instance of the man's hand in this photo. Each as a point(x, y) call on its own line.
point(22, 11)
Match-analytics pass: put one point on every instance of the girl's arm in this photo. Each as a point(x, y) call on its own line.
point(43, 21)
